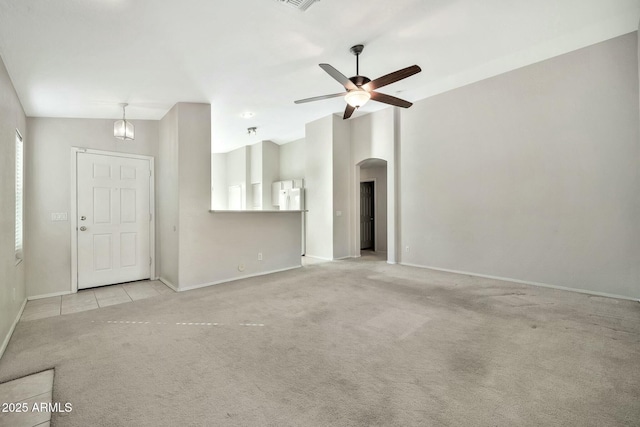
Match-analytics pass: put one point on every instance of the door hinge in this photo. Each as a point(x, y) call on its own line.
point(150, 261)
point(150, 216)
point(149, 173)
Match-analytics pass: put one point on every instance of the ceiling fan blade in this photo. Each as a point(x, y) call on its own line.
point(341, 78)
point(348, 112)
point(391, 100)
point(318, 98)
point(392, 77)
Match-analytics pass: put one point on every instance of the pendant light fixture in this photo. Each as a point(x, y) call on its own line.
point(122, 129)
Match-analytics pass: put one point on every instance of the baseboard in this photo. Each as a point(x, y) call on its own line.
point(233, 279)
point(5, 343)
point(344, 257)
point(391, 262)
point(55, 294)
point(318, 257)
point(524, 282)
point(168, 283)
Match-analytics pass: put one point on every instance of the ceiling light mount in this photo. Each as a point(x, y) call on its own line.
point(123, 129)
point(252, 130)
point(357, 49)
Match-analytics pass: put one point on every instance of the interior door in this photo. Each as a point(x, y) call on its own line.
point(367, 218)
point(113, 219)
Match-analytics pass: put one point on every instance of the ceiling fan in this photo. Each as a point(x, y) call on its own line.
point(359, 89)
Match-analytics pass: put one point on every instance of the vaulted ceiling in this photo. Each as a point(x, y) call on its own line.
point(81, 58)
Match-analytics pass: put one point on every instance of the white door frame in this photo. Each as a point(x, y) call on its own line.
point(74, 209)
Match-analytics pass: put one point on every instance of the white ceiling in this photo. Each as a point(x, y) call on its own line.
point(80, 58)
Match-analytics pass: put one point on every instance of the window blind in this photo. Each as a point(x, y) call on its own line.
point(19, 197)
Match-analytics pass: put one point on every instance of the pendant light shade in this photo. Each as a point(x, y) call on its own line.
point(122, 129)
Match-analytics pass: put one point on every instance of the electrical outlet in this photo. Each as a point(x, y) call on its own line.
point(407, 248)
point(259, 256)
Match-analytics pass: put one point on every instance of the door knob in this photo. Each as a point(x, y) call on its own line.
point(83, 228)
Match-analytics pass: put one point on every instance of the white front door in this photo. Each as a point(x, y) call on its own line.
point(113, 219)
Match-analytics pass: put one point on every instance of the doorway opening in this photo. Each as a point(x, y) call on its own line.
point(367, 215)
point(372, 204)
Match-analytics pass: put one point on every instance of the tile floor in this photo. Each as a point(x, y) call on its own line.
point(27, 391)
point(38, 388)
point(89, 299)
point(307, 260)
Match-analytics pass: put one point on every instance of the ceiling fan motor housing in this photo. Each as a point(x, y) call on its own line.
point(359, 80)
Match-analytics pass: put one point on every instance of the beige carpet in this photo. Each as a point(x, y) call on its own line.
point(353, 343)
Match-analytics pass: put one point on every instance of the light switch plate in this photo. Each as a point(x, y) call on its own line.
point(58, 216)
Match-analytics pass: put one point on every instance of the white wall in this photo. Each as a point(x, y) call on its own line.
point(254, 183)
point(255, 162)
point(343, 193)
point(292, 160)
point(194, 172)
point(531, 175)
point(372, 136)
point(270, 171)
point(48, 177)
point(219, 188)
point(12, 277)
point(237, 167)
point(223, 246)
point(167, 199)
point(319, 187)
point(239, 173)
point(379, 175)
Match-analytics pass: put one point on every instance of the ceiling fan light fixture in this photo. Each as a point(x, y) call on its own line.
point(357, 98)
point(123, 129)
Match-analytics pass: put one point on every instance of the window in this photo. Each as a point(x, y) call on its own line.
point(19, 197)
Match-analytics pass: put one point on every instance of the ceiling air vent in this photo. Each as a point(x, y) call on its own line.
point(298, 4)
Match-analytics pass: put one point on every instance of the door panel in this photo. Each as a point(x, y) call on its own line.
point(102, 251)
point(128, 205)
point(367, 215)
point(128, 249)
point(102, 205)
point(113, 219)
